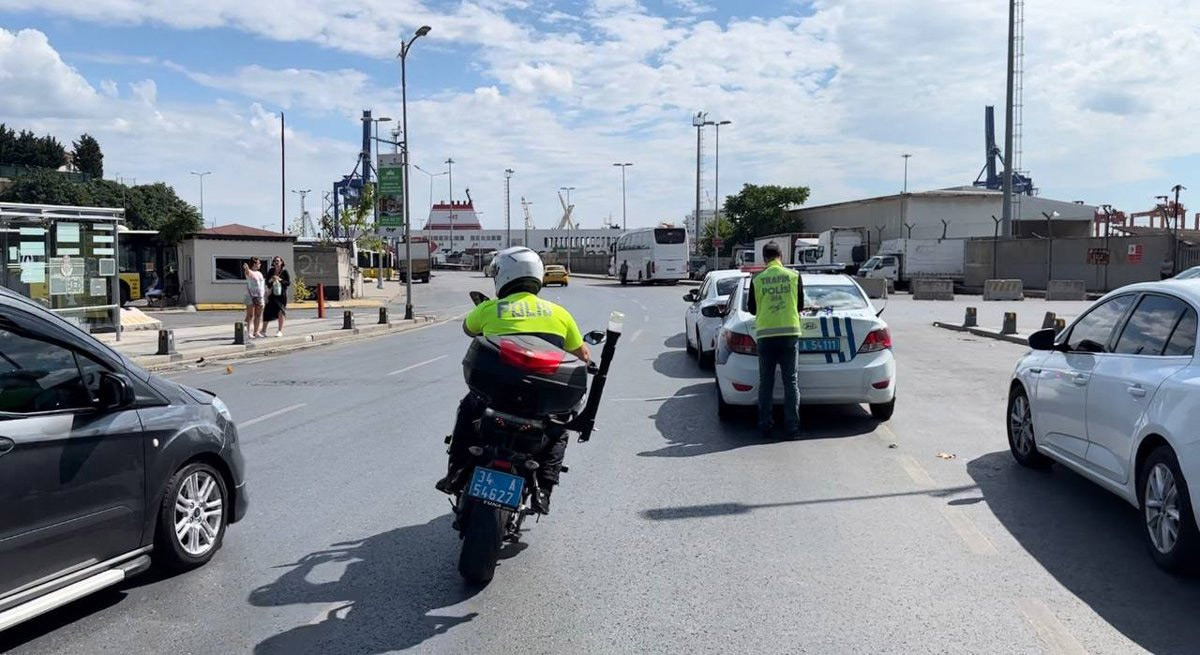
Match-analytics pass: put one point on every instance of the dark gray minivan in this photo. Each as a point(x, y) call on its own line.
point(101, 466)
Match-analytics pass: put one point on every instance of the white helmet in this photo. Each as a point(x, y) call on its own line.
point(518, 264)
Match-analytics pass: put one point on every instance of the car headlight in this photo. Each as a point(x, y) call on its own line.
point(222, 410)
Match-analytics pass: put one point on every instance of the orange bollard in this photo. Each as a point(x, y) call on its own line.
point(321, 300)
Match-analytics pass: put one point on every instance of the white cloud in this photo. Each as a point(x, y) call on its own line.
point(37, 82)
point(109, 88)
point(541, 77)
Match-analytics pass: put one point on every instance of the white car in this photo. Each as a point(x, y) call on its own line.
point(705, 313)
point(1116, 397)
point(845, 350)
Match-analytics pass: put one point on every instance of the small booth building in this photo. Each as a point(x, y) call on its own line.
point(212, 261)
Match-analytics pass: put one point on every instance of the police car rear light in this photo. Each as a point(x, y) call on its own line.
point(534, 361)
point(738, 386)
point(876, 340)
point(881, 385)
point(741, 343)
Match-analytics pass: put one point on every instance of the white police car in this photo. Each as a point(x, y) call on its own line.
point(845, 350)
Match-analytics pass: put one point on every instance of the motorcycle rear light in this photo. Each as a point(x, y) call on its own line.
point(881, 385)
point(533, 361)
point(876, 340)
point(502, 464)
point(738, 386)
point(741, 343)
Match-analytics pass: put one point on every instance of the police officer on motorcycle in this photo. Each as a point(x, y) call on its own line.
point(516, 310)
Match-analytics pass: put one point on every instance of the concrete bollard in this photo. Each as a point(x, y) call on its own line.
point(1010, 289)
point(383, 315)
point(932, 289)
point(971, 318)
point(1049, 320)
point(166, 342)
point(347, 320)
point(1010, 323)
point(239, 333)
point(1060, 324)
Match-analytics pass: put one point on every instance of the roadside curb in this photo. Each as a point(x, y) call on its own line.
point(227, 353)
point(981, 332)
point(302, 304)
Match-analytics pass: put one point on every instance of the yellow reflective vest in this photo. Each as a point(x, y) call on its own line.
point(776, 300)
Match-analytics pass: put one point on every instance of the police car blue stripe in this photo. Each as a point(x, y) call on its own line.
point(837, 332)
point(850, 337)
point(825, 333)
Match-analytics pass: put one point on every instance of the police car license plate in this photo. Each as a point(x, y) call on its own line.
point(820, 345)
point(495, 488)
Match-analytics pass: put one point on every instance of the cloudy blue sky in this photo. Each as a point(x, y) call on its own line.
point(824, 93)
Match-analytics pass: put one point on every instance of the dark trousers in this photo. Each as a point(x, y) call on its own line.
point(779, 352)
point(465, 435)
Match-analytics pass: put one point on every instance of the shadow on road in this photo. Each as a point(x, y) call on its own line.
point(677, 341)
point(1090, 541)
point(382, 600)
point(688, 422)
point(48, 623)
point(716, 510)
point(679, 364)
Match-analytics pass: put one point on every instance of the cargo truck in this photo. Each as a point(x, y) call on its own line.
point(420, 260)
point(837, 250)
point(904, 260)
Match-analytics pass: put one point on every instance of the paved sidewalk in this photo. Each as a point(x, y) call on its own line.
point(215, 342)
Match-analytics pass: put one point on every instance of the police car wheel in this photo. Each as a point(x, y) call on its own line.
point(725, 411)
point(691, 350)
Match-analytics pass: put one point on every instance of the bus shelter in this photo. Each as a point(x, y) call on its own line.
point(64, 258)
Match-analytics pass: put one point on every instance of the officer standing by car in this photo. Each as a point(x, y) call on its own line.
point(776, 298)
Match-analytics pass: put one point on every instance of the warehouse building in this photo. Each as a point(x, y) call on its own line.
point(967, 212)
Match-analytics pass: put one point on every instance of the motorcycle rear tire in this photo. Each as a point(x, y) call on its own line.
point(483, 533)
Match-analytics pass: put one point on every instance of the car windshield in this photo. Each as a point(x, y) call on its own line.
point(725, 286)
point(822, 296)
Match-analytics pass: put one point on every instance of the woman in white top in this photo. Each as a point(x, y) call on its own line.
point(256, 288)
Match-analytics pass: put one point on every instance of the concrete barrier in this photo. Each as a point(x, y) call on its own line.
point(347, 320)
point(873, 287)
point(1010, 323)
point(166, 342)
point(383, 315)
point(933, 289)
point(1066, 290)
point(1003, 290)
point(971, 318)
point(1049, 320)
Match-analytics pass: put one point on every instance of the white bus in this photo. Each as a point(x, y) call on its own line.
point(651, 255)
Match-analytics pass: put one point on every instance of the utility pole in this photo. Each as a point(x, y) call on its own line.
point(408, 275)
point(1175, 231)
point(905, 156)
point(508, 173)
point(1006, 216)
point(698, 121)
point(282, 176)
point(624, 220)
point(717, 191)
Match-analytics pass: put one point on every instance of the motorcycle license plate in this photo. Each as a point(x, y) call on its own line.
point(496, 488)
point(820, 345)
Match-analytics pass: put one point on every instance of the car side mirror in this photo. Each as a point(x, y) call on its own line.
point(1043, 339)
point(713, 311)
point(690, 296)
point(594, 338)
point(115, 392)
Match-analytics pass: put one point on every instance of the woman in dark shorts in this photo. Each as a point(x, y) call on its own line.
point(278, 280)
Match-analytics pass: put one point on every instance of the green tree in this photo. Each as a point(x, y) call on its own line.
point(87, 157)
point(46, 188)
point(761, 210)
point(8, 145)
point(710, 230)
point(357, 222)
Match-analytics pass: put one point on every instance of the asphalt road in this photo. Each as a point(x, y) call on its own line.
point(671, 532)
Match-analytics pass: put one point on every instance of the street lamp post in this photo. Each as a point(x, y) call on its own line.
point(379, 269)
point(508, 173)
point(698, 121)
point(1175, 230)
point(624, 221)
point(450, 187)
point(404, 47)
point(201, 176)
point(905, 156)
point(303, 193)
point(717, 191)
point(431, 176)
point(1050, 246)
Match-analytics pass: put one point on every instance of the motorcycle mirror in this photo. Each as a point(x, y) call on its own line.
point(478, 297)
point(594, 338)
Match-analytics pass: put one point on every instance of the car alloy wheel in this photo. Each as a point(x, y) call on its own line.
point(199, 512)
point(1162, 508)
point(1020, 425)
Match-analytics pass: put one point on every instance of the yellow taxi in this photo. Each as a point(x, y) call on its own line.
point(555, 274)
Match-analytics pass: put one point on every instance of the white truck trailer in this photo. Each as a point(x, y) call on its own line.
point(904, 260)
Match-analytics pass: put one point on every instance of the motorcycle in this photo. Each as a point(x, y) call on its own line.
point(534, 394)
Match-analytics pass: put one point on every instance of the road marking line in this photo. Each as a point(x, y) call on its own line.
point(657, 398)
point(1050, 631)
point(409, 368)
point(917, 472)
point(977, 542)
point(636, 334)
point(278, 412)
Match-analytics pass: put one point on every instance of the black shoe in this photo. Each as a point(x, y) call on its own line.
point(541, 500)
point(446, 484)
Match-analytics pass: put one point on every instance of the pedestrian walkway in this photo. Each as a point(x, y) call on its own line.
point(216, 342)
